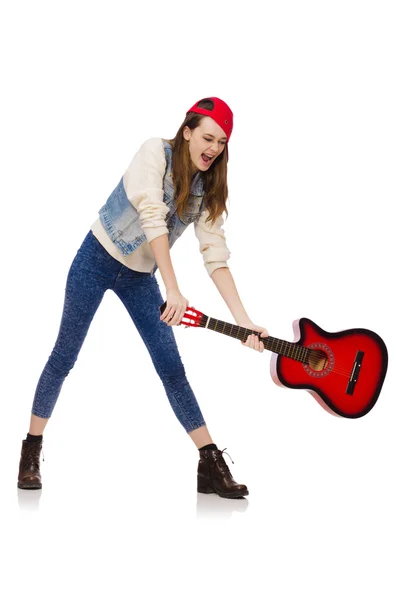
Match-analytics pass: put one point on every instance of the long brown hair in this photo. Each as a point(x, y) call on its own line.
point(215, 178)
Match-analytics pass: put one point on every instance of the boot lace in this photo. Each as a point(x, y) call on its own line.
point(222, 462)
point(32, 455)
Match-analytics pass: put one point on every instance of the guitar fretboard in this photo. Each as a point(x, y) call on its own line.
point(289, 349)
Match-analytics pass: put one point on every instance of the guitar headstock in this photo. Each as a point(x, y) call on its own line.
point(191, 318)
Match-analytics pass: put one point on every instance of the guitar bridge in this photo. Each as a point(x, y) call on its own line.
point(355, 372)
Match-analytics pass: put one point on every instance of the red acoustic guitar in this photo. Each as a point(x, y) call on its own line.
point(344, 371)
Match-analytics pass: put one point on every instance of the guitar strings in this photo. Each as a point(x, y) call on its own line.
point(314, 354)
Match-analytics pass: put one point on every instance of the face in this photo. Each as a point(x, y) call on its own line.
point(206, 142)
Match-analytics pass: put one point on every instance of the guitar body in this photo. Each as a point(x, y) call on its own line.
point(346, 371)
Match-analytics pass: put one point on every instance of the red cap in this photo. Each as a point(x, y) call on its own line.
point(221, 114)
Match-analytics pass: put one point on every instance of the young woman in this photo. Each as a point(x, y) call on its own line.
point(168, 185)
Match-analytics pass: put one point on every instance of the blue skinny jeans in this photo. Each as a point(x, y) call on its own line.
point(92, 272)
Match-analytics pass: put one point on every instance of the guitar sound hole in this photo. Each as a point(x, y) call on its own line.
point(318, 360)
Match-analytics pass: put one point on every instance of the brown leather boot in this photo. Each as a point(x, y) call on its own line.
point(29, 477)
point(214, 477)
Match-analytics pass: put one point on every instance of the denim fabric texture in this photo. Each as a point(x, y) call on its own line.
point(93, 272)
point(120, 218)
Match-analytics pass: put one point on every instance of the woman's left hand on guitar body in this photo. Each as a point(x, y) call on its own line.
point(253, 340)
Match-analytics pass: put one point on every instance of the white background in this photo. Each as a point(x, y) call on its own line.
point(311, 229)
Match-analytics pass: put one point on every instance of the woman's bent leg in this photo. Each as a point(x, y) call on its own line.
point(88, 278)
point(141, 296)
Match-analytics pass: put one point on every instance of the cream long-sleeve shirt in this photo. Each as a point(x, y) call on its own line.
point(143, 183)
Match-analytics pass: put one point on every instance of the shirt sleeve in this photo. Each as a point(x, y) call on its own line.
point(212, 242)
point(143, 184)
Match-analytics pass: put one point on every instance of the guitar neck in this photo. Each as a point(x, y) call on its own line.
point(282, 347)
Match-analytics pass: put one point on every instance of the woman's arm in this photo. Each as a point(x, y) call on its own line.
point(143, 182)
point(224, 281)
point(161, 251)
point(176, 303)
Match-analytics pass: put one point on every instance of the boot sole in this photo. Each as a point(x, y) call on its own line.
point(31, 486)
point(210, 490)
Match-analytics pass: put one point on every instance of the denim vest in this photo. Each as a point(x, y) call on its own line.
point(121, 219)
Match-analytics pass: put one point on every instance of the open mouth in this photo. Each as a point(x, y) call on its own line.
point(206, 159)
